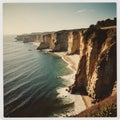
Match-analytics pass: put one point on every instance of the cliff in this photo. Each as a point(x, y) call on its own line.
point(74, 41)
point(96, 46)
point(47, 41)
point(96, 73)
point(65, 40)
point(61, 41)
point(56, 41)
point(32, 37)
point(97, 64)
point(28, 38)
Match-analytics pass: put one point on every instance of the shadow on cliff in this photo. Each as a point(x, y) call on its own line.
point(75, 91)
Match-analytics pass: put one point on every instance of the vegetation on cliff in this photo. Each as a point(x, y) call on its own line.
point(105, 108)
point(106, 23)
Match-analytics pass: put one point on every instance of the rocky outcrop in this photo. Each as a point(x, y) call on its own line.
point(61, 41)
point(56, 41)
point(74, 41)
point(66, 40)
point(106, 23)
point(29, 38)
point(47, 41)
point(38, 38)
point(32, 37)
point(96, 72)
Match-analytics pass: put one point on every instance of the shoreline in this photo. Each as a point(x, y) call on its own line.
point(69, 60)
point(73, 61)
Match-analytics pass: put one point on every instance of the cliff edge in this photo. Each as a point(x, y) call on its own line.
point(97, 65)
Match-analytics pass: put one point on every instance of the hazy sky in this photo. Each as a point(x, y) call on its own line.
point(21, 18)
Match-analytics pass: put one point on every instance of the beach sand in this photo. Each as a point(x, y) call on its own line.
point(72, 60)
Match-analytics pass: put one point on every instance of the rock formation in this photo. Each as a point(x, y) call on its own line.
point(56, 41)
point(47, 41)
point(96, 72)
point(38, 38)
point(28, 38)
point(61, 42)
point(74, 41)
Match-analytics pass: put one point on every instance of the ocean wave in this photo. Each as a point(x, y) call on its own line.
point(24, 83)
point(19, 62)
point(30, 83)
point(26, 97)
point(71, 98)
point(68, 78)
point(22, 75)
point(20, 86)
point(25, 92)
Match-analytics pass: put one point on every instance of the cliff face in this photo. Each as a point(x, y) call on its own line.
point(47, 41)
point(33, 37)
point(57, 41)
point(29, 38)
point(61, 41)
point(38, 38)
point(74, 41)
point(96, 72)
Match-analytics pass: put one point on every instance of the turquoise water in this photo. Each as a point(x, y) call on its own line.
point(30, 81)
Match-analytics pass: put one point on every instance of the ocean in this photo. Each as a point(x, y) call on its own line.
point(31, 82)
point(31, 85)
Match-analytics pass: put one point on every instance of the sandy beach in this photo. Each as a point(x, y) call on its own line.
point(73, 61)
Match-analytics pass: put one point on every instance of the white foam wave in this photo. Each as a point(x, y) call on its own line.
point(71, 98)
point(69, 63)
point(69, 78)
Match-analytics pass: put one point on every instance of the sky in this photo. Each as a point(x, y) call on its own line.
point(20, 18)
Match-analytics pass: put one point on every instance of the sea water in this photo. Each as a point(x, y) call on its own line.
point(31, 85)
